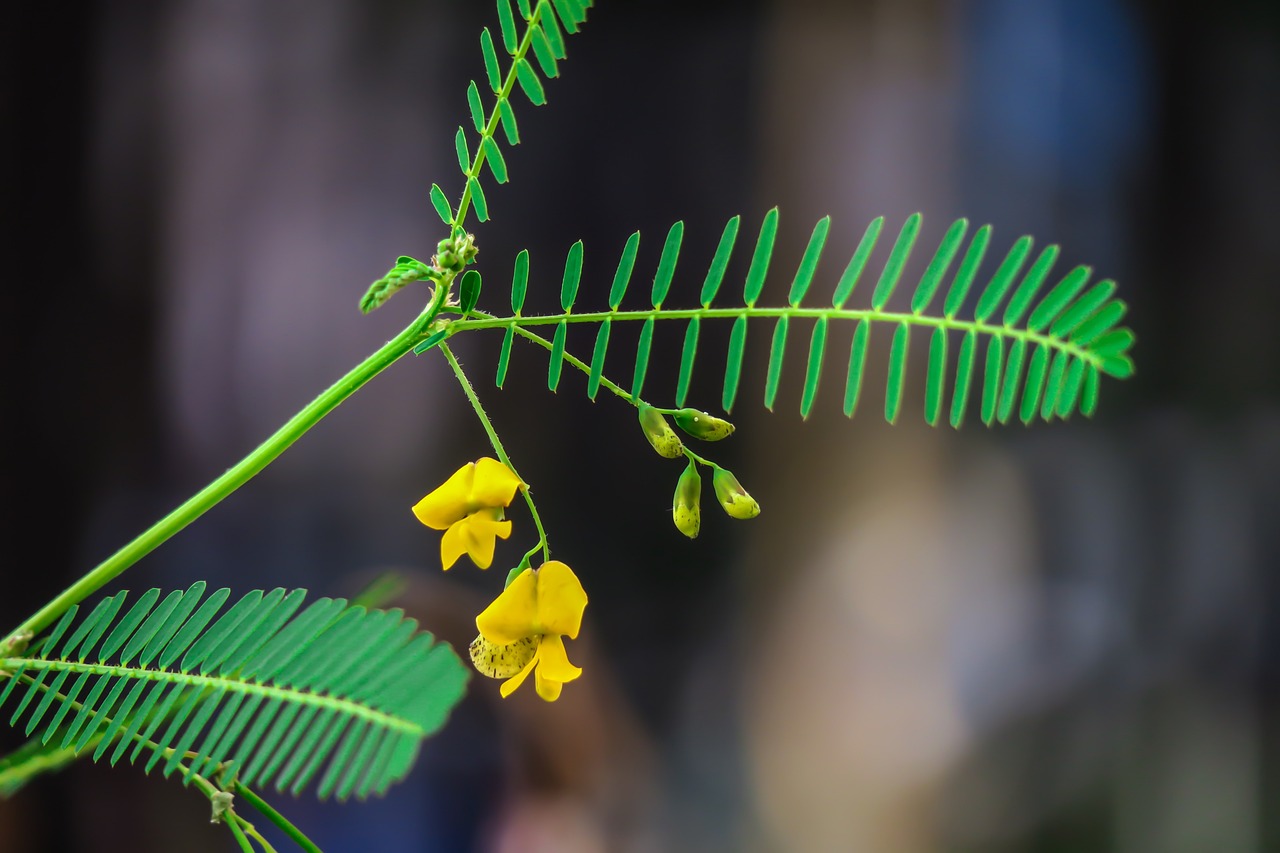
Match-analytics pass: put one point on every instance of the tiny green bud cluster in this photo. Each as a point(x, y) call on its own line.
point(453, 254)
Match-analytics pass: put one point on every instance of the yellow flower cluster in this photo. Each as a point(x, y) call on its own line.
point(523, 630)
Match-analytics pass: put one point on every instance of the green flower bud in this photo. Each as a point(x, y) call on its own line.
point(735, 500)
point(659, 432)
point(702, 425)
point(685, 509)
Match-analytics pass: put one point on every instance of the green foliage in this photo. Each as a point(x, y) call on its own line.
point(1047, 368)
point(334, 688)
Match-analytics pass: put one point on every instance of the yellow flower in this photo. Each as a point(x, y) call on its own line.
point(523, 630)
point(468, 508)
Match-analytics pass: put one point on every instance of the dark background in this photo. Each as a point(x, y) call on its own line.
point(1060, 637)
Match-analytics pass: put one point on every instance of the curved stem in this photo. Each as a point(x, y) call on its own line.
point(295, 834)
point(497, 446)
point(234, 823)
point(237, 475)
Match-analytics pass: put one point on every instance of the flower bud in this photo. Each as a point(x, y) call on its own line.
point(659, 432)
point(686, 510)
point(702, 425)
point(735, 500)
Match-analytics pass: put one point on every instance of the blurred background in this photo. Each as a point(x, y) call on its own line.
point(1054, 638)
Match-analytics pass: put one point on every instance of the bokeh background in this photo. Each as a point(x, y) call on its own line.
point(1055, 638)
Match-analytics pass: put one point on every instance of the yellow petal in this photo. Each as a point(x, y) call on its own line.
point(510, 616)
point(508, 687)
point(478, 533)
point(502, 661)
point(448, 503)
point(495, 484)
point(553, 662)
point(560, 599)
point(548, 690)
point(453, 544)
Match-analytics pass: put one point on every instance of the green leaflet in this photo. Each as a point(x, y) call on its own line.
point(776, 350)
point(964, 379)
point(1003, 278)
point(556, 362)
point(761, 257)
point(597, 358)
point(897, 260)
point(936, 378)
point(474, 105)
point(622, 277)
point(687, 354)
point(857, 366)
point(897, 373)
point(733, 363)
point(529, 82)
point(809, 263)
point(715, 274)
point(491, 70)
point(813, 370)
point(572, 275)
point(852, 272)
point(642, 359)
point(334, 668)
point(937, 268)
point(667, 264)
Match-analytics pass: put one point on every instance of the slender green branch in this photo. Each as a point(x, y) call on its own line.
point(949, 323)
point(497, 446)
point(241, 790)
point(234, 823)
point(239, 474)
point(491, 126)
point(253, 833)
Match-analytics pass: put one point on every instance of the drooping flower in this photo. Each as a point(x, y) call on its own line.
point(686, 506)
point(523, 630)
point(737, 502)
point(468, 507)
point(702, 424)
point(659, 432)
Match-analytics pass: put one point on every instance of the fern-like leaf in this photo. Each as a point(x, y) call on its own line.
point(281, 692)
point(1048, 366)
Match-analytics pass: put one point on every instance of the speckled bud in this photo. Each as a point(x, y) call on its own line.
point(702, 425)
point(686, 508)
point(502, 661)
point(735, 500)
point(659, 432)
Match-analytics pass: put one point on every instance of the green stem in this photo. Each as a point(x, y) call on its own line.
point(497, 447)
point(275, 817)
point(239, 474)
point(232, 822)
